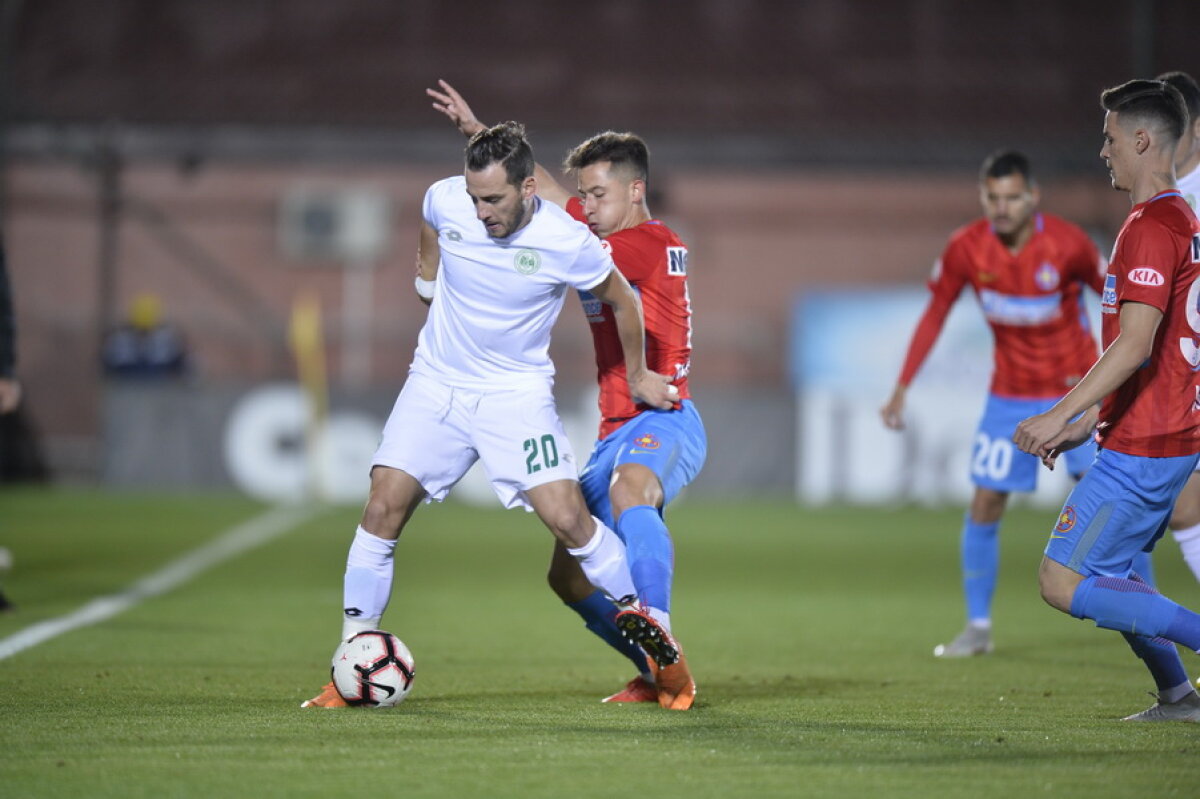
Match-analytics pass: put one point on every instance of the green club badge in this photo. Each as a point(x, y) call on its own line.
point(527, 262)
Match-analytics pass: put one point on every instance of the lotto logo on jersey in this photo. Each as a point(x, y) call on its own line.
point(1145, 276)
point(1108, 298)
point(677, 261)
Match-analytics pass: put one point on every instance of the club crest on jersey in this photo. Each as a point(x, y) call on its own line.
point(1145, 276)
point(1046, 277)
point(1066, 520)
point(1108, 297)
point(647, 441)
point(527, 262)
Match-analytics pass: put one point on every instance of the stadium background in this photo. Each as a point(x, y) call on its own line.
point(799, 148)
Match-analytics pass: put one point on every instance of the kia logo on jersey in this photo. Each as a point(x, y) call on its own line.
point(1145, 276)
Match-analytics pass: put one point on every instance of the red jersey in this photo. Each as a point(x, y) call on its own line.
point(1031, 300)
point(1156, 261)
point(654, 261)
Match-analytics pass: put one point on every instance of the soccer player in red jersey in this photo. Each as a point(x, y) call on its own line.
point(1147, 389)
point(1027, 270)
point(643, 456)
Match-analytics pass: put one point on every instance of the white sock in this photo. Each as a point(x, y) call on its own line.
point(368, 583)
point(603, 561)
point(1189, 545)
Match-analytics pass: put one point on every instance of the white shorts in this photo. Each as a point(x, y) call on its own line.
point(436, 432)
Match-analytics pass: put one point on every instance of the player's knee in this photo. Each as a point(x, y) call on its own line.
point(384, 514)
point(1056, 593)
point(635, 485)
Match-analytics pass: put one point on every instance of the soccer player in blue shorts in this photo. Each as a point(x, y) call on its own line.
point(1148, 422)
point(1028, 270)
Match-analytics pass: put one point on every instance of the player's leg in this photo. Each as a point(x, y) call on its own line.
point(423, 452)
point(367, 586)
point(662, 452)
point(1185, 523)
point(1119, 508)
point(599, 615)
point(980, 560)
point(597, 610)
point(593, 544)
point(997, 469)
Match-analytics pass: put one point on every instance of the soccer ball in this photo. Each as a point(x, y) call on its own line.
point(373, 669)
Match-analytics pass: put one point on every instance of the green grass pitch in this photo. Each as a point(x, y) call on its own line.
point(809, 631)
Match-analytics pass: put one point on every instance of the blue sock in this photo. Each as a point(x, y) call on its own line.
point(1131, 606)
point(1143, 567)
point(598, 612)
point(1161, 658)
point(980, 565)
point(650, 554)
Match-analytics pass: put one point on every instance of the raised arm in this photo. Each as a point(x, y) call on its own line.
point(650, 387)
point(450, 103)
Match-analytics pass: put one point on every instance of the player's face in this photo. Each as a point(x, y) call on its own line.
point(1009, 203)
point(609, 197)
point(502, 207)
point(1117, 151)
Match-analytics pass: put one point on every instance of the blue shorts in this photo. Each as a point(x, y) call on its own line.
point(1119, 508)
point(672, 444)
point(996, 463)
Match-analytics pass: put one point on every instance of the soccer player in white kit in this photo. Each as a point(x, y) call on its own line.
point(495, 263)
point(1185, 519)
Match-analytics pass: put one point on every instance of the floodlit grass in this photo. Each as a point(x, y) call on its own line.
point(809, 632)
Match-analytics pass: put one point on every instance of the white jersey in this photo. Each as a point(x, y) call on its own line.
point(1189, 187)
point(497, 299)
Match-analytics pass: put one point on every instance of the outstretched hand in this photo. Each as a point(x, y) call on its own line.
point(450, 102)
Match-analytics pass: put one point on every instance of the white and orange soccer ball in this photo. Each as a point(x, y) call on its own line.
point(373, 669)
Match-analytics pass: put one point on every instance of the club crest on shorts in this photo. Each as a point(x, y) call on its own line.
point(1066, 520)
point(647, 441)
point(527, 262)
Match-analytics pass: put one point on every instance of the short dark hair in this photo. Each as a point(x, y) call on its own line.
point(620, 149)
point(1153, 100)
point(1186, 86)
point(502, 144)
point(1003, 163)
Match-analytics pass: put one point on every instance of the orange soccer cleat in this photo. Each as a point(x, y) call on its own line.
point(636, 690)
point(329, 697)
point(673, 680)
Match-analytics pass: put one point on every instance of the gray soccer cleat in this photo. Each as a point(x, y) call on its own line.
point(973, 640)
point(1186, 709)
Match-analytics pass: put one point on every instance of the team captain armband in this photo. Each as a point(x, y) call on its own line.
point(425, 288)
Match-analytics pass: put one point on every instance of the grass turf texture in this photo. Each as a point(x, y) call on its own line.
point(809, 631)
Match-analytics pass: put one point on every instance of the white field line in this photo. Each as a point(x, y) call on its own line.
point(236, 540)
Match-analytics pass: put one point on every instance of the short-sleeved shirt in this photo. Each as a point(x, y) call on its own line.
point(654, 261)
point(1189, 187)
point(1031, 300)
point(1156, 261)
point(489, 323)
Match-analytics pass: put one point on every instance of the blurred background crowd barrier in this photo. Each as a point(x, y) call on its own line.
point(231, 158)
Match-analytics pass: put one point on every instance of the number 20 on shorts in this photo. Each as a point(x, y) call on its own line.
point(992, 457)
point(540, 453)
